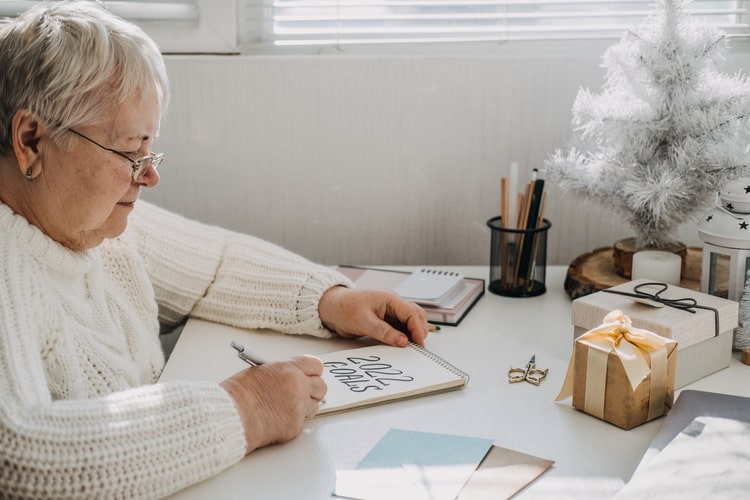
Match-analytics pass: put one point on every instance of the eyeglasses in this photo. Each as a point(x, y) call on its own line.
point(139, 166)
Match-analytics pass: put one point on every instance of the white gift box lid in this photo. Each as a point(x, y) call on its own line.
point(685, 327)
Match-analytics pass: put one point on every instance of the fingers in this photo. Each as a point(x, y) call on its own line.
point(312, 366)
point(413, 326)
point(386, 334)
point(381, 315)
point(307, 364)
point(412, 317)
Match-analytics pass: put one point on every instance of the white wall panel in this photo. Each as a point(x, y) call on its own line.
point(371, 159)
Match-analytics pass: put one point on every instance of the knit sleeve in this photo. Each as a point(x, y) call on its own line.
point(145, 442)
point(227, 277)
point(118, 435)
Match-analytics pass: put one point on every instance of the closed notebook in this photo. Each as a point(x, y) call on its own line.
point(380, 373)
point(452, 309)
point(431, 287)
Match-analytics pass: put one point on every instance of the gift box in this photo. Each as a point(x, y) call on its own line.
point(621, 374)
point(704, 336)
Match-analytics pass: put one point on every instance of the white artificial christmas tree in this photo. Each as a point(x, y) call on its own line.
point(667, 131)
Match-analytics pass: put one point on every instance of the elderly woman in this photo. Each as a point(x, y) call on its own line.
point(90, 275)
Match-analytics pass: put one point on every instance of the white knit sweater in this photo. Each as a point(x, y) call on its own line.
point(81, 414)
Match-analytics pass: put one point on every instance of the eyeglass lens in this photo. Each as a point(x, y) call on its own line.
point(141, 165)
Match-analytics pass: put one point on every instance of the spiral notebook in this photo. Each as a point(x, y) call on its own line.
point(432, 287)
point(377, 374)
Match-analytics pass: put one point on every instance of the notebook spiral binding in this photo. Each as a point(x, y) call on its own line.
point(440, 361)
point(438, 272)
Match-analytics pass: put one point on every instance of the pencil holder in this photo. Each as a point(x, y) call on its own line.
point(518, 259)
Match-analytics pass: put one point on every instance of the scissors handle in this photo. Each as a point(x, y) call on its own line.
point(516, 375)
point(536, 376)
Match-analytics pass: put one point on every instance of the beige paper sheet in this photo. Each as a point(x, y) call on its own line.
point(502, 474)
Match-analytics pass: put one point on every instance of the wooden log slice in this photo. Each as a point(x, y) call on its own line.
point(596, 271)
point(623, 251)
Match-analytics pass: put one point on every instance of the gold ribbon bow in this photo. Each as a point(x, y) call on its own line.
point(632, 346)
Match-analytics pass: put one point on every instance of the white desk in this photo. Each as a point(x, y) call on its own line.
point(593, 459)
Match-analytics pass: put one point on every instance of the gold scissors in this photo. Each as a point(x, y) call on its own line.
point(530, 374)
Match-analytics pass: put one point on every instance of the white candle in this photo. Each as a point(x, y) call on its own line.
point(658, 266)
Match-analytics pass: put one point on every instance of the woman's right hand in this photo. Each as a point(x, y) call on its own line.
point(274, 399)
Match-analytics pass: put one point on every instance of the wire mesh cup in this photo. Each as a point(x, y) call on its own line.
point(518, 259)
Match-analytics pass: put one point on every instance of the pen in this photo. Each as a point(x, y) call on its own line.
point(247, 355)
point(251, 358)
point(513, 196)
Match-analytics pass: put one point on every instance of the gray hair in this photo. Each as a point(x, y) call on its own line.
point(73, 64)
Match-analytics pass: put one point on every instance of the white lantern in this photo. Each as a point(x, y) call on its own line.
point(725, 230)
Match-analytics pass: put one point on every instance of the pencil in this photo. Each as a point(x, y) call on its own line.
point(504, 202)
point(434, 328)
point(532, 219)
point(513, 194)
point(541, 209)
point(523, 223)
point(535, 249)
point(504, 223)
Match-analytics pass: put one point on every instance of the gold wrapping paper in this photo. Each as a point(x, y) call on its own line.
point(621, 374)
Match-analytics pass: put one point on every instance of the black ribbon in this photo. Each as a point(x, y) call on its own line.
point(688, 304)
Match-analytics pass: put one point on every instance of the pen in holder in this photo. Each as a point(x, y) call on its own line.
point(518, 259)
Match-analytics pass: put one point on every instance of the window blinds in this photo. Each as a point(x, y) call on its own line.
point(185, 26)
point(341, 22)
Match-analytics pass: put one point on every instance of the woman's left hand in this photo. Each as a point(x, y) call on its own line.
point(379, 314)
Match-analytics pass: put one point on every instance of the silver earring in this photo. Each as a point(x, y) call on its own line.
point(28, 175)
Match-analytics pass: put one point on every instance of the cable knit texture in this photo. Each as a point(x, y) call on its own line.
point(81, 414)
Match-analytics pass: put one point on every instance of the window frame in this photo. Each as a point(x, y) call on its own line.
point(214, 31)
